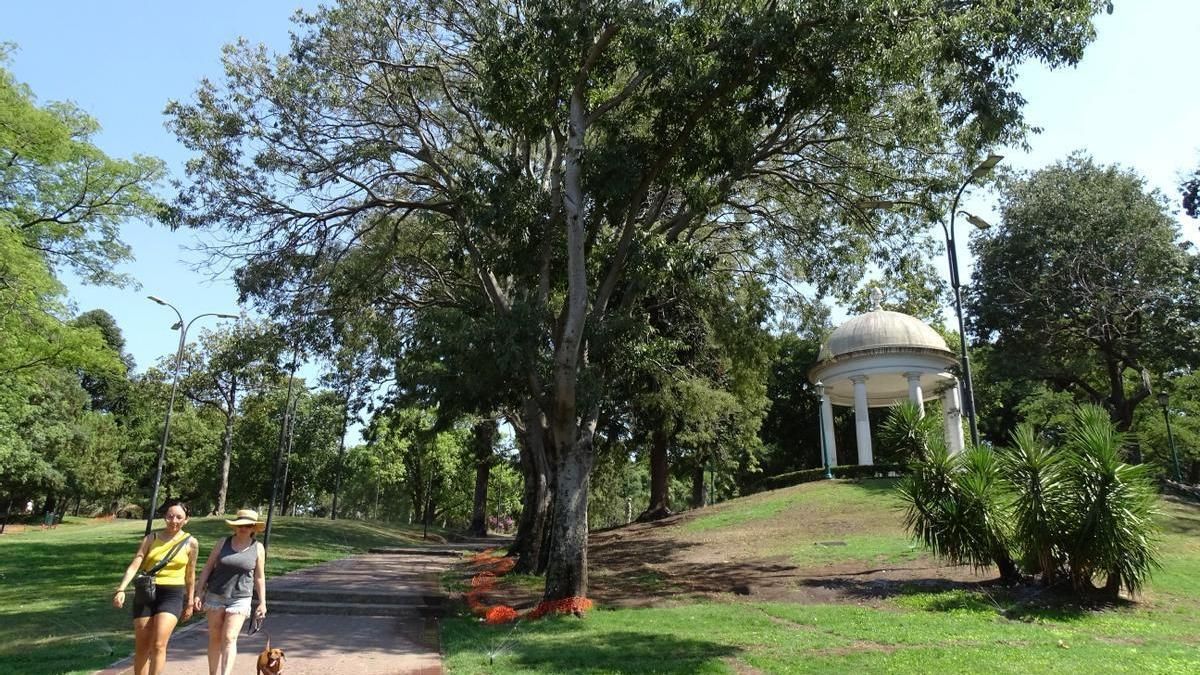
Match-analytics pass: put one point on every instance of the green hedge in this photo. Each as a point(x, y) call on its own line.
point(808, 475)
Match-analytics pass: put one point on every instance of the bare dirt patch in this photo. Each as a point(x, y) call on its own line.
point(664, 562)
point(749, 552)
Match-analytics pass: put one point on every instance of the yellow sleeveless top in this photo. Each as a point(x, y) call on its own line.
point(173, 572)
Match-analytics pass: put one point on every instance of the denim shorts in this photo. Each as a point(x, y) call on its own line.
point(214, 602)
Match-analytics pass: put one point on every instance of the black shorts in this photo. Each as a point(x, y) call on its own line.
point(167, 599)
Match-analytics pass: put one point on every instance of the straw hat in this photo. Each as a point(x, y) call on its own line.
point(247, 517)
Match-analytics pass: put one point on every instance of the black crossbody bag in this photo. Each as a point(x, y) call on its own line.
point(144, 586)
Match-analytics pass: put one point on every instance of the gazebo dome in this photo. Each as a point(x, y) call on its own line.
point(881, 329)
point(900, 354)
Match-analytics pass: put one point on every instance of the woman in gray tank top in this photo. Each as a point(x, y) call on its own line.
point(231, 577)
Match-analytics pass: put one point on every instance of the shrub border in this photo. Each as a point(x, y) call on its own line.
point(849, 471)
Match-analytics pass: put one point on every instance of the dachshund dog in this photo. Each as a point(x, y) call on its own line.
point(270, 661)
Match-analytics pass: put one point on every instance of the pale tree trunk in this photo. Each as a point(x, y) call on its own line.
point(542, 561)
point(566, 575)
point(227, 447)
point(484, 436)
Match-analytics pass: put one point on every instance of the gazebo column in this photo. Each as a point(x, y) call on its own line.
point(862, 420)
point(952, 420)
point(914, 391)
point(827, 425)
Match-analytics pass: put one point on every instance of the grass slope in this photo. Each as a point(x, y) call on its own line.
point(56, 585)
point(816, 523)
point(971, 628)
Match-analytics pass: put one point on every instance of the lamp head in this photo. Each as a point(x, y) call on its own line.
point(156, 299)
point(820, 387)
point(177, 325)
point(229, 316)
point(986, 166)
point(975, 220)
point(1163, 398)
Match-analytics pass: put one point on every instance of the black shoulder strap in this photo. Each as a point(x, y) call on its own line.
point(167, 558)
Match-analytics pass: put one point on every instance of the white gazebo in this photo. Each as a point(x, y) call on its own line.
point(877, 359)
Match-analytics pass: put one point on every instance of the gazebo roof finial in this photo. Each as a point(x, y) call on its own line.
point(876, 299)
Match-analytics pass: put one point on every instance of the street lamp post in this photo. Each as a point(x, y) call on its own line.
point(1164, 400)
point(162, 446)
point(285, 423)
point(968, 393)
point(985, 167)
point(821, 427)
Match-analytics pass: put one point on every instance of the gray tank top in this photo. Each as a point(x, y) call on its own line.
point(233, 577)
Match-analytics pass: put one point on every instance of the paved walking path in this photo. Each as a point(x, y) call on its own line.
point(372, 613)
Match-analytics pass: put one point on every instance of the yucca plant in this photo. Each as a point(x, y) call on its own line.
point(1079, 510)
point(985, 497)
point(906, 433)
point(956, 506)
point(1039, 507)
point(1111, 506)
point(928, 492)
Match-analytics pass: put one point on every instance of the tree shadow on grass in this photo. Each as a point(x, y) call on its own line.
point(1183, 518)
point(872, 588)
point(609, 652)
point(656, 570)
point(1027, 602)
point(1057, 604)
point(874, 485)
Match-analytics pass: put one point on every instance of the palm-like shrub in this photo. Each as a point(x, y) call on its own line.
point(1111, 505)
point(930, 495)
point(1039, 509)
point(1078, 511)
point(956, 507)
point(985, 497)
point(907, 432)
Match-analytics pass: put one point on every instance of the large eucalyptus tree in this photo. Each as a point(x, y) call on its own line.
point(538, 145)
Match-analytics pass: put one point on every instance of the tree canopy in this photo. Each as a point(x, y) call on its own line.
point(519, 156)
point(1086, 286)
point(62, 201)
point(64, 197)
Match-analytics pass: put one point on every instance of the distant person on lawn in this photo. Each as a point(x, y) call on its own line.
point(154, 621)
point(234, 573)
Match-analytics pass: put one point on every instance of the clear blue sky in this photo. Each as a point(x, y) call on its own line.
point(1131, 101)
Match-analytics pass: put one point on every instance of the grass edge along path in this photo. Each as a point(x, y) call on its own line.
point(790, 638)
point(56, 585)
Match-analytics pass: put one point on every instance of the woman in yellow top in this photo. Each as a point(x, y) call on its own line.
point(154, 622)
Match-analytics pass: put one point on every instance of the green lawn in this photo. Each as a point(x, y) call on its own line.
point(969, 631)
point(56, 585)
